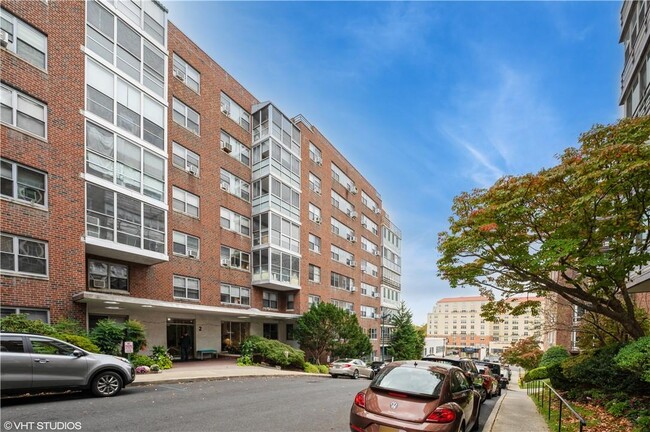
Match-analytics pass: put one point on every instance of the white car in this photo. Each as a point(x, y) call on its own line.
point(354, 368)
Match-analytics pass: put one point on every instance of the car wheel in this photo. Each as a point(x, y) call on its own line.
point(107, 384)
point(489, 395)
point(355, 375)
point(372, 375)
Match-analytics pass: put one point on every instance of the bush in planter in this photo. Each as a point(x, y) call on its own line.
point(155, 368)
point(310, 368)
point(554, 355)
point(273, 352)
point(160, 357)
point(142, 369)
point(141, 360)
point(70, 326)
point(108, 336)
point(19, 323)
point(82, 342)
point(134, 332)
point(323, 369)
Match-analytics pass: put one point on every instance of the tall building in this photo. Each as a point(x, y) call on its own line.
point(140, 180)
point(635, 99)
point(459, 321)
point(391, 278)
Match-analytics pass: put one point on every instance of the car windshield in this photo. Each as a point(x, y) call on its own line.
point(343, 361)
point(496, 369)
point(411, 380)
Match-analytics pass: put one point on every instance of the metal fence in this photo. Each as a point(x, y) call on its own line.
point(545, 393)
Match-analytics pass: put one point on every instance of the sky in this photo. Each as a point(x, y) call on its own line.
point(425, 99)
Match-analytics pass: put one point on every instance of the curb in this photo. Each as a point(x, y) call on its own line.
point(218, 378)
point(489, 423)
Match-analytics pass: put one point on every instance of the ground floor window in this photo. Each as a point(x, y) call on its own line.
point(290, 331)
point(270, 331)
point(233, 334)
point(176, 330)
point(32, 314)
point(94, 319)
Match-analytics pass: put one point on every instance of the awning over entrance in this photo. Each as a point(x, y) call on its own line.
point(119, 303)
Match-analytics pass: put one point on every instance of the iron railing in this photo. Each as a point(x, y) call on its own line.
point(540, 388)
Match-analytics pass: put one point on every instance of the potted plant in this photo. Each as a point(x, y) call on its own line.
point(155, 368)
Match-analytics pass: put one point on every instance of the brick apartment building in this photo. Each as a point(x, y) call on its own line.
point(140, 180)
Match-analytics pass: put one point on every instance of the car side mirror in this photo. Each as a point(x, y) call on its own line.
point(77, 353)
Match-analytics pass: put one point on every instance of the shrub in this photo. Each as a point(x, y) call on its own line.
point(642, 424)
point(19, 323)
point(245, 360)
point(273, 352)
point(70, 326)
point(618, 409)
point(310, 368)
point(155, 368)
point(82, 342)
point(323, 369)
point(635, 358)
point(134, 331)
point(161, 357)
point(554, 355)
point(536, 374)
point(108, 336)
point(141, 360)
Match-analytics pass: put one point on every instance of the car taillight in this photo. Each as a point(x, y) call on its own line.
point(347, 365)
point(360, 400)
point(442, 415)
point(356, 428)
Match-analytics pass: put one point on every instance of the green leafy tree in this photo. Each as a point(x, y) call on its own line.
point(108, 336)
point(326, 328)
point(134, 332)
point(553, 355)
point(406, 341)
point(576, 230)
point(635, 357)
point(525, 353)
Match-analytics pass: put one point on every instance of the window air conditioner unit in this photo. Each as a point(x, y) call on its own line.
point(225, 186)
point(374, 273)
point(353, 288)
point(225, 111)
point(377, 210)
point(97, 283)
point(192, 254)
point(317, 219)
point(226, 146)
point(376, 253)
point(374, 294)
point(179, 74)
point(353, 214)
point(363, 224)
point(225, 262)
point(352, 263)
point(317, 190)
point(352, 188)
point(319, 161)
point(193, 170)
point(4, 38)
point(351, 238)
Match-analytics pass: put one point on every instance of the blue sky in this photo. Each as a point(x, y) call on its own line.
point(426, 99)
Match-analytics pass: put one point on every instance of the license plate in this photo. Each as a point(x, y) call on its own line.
point(383, 428)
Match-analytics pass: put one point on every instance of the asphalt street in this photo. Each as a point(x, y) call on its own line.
point(244, 404)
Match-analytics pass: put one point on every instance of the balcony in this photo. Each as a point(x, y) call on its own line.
point(123, 252)
point(281, 272)
point(640, 280)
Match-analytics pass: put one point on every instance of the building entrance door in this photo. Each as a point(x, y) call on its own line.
point(176, 328)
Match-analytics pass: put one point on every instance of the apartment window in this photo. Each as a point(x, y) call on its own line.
point(138, 224)
point(369, 202)
point(368, 312)
point(314, 273)
point(314, 183)
point(290, 332)
point(270, 331)
point(23, 112)
point(235, 112)
point(315, 154)
point(32, 314)
point(186, 117)
point(343, 282)
point(235, 295)
point(372, 333)
point(346, 306)
point(187, 74)
point(107, 275)
point(23, 255)
point(313, 300)
point(235, 222)
point(24, 40)
point(236, 186)
point(270, 299)
point(23, 184)
point(185, 244)
point(235, 258)
point(314, 213)
point(185, 159)
point(235, 149)
point(314, 243)
point(113, 158)
point(187, 288)
point(185, 202)
point(291, 298)
point(342, 178)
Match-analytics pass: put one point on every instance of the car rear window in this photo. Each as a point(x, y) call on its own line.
point(12, 344)
point(411, 380)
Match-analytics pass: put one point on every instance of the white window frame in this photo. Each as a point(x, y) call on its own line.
point(235, 184)
point(316, 242)
point(182, 152)
point(15, 95)
point(315, 183)
point(316, 272)
point(181, 68)
point(235, 220)
point(269, 297)
point(15, 187)
point(183, 109)
point(238, 149)
point(241, 289)
point(17, 24)
point(187, 289)
point(231, 251)
point(16, 256)
point(182, 196)
point(235, 112)
point(184, 243)
point(22, 310)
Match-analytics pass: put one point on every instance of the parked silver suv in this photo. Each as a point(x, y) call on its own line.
point(31, 363)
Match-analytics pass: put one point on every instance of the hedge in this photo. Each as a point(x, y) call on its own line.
point(536, 374)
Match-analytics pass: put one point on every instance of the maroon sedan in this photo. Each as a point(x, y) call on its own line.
point(417, 396)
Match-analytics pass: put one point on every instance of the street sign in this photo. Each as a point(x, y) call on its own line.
point(128, 347)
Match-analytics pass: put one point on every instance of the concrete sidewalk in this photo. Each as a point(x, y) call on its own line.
point(221, 368)
point(515, 411)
